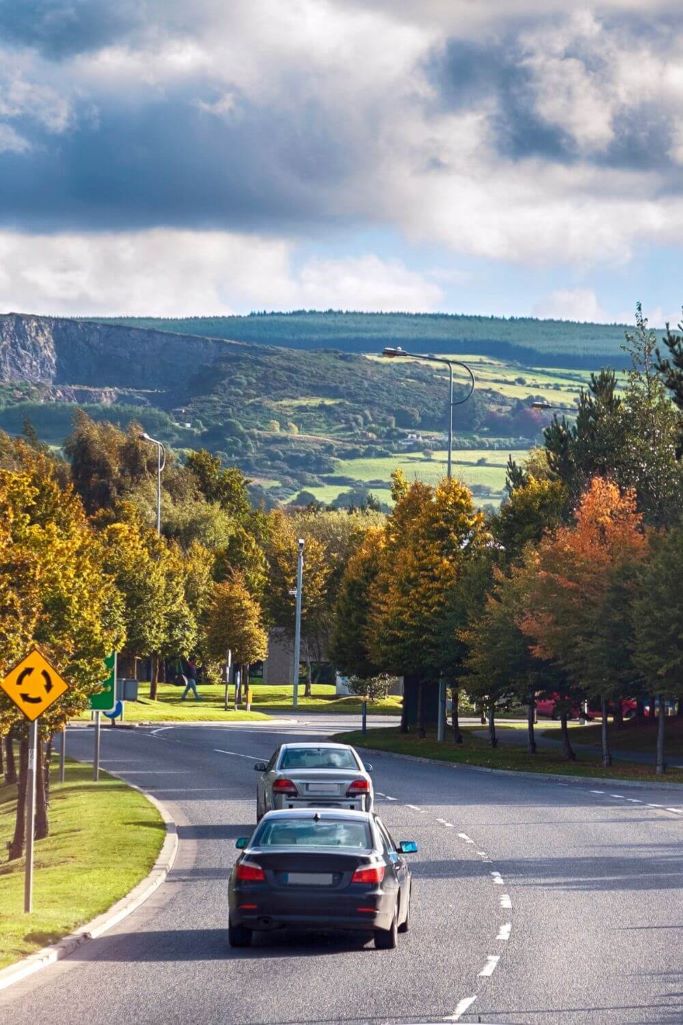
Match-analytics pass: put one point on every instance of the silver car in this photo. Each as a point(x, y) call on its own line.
point(313, 775)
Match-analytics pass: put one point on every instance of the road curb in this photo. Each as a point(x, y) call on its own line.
point(125, 906)
point(554, 776)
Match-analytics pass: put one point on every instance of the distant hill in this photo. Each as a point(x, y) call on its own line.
point(560, 343)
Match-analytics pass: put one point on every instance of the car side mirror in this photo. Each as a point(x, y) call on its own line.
point(260, 767)
point(242, 842)
point(369, 768)
point(407, 847)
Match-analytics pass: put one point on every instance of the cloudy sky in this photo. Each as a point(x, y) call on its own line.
point(211, 156)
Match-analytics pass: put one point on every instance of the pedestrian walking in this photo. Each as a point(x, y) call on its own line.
point(190, 675)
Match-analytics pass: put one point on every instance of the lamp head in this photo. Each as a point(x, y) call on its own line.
point(390, 351)
point(541, 405)
point(301, 544)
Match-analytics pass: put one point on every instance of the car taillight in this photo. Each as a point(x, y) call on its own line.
point(359, 786)
point(373, 874)
point(284, 786)
point(247, 872)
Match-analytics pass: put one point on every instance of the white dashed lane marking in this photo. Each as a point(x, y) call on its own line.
point(414, 807)
point(465, 837)
point(497, 878)
point(463, 1006)
point(505, 901)
point(490, 966)
point(504, 931)
point(449, 825)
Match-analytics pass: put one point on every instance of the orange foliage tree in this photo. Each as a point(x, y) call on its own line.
point(578, 611)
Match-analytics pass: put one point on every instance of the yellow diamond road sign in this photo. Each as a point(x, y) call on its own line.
point(33, 685)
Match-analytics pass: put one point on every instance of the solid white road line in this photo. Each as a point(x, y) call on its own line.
point(504, 931)
point(505, 901)
point(161, 729)
point(463, 1005)
point(490, 966)
point(235, 754)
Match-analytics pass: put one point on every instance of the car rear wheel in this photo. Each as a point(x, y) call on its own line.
point(239, 935)
point(386, 939)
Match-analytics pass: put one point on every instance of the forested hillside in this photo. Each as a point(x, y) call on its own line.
point(541, 342)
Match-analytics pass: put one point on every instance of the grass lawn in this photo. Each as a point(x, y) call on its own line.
point(169, 708)
point(476, 751)
point(632, 736)
point(104, 838)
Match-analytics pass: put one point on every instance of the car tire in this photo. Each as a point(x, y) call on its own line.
point(387, 939)
point(239, 935)
point(405, 925)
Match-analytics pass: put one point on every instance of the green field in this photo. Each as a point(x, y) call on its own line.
point(489, 476)
point(74, 880)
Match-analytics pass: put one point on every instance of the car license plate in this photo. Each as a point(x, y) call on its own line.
point(323, 788)
point(310, 878)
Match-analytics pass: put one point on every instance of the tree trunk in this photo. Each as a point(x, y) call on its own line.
point(679, 707)
point(618, 716)
point(404, 714)
point(640, 710)
point(660, 766)
point(10, 763)
point(42, 827)
point(16, 847)
point(482, 714)
point(567, 748)
point(2, 756)
point(492, 725)
point(531, 719)
point(308, 686)
point(455, 715)
point(154, 677)
point(604, 736)
point(421, 732)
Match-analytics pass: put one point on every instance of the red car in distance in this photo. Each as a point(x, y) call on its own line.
point(548, 707)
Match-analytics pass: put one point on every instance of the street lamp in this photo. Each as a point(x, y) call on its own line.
point(450, 363)
point(161, 463)
point(297, 620)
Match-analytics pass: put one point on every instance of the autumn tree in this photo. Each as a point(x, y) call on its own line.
point(233, 623)
point(428, 537)
point(349, 640)
point(571, 613)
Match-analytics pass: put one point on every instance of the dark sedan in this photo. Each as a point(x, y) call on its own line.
point(326, 870)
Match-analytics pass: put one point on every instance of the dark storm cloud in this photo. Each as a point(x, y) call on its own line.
point(171, 163)
point(499, 76)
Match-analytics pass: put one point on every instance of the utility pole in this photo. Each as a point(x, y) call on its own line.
point(297, 622)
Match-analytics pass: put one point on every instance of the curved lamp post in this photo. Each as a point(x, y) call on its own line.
point(450, 363)
point(161, 463)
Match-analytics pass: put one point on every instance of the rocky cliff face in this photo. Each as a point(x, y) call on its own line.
point(61, 352)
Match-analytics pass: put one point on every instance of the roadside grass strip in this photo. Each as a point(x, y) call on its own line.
point(632, 735)
point(477, 752)
point(210, 708)
point(104, 838)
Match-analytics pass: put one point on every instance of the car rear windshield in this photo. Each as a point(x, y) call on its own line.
point(317, 758)
point(308, 833)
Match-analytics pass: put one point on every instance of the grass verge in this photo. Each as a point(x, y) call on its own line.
point(632, 736)
point(104, 838)
point(475, 751)
point(169, 708)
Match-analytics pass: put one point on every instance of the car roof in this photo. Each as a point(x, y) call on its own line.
point(338, 814)
point(316, 747)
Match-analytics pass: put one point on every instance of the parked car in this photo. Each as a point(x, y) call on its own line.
point(548, 706)
point(322, 870)
point(314, 775)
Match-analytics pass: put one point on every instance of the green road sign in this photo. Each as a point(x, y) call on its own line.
point(106, 699)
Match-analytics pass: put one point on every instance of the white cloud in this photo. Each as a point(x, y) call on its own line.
point(11, 141)
point(572, 304)
point(180, 273)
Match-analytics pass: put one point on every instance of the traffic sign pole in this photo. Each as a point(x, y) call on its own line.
point(62, 755)
point(96, 761)
point(30, 815)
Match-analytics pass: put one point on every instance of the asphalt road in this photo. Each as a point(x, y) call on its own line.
point(534, 902)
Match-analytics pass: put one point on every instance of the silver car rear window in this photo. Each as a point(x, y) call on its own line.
point(308, 833)
point(317, 758)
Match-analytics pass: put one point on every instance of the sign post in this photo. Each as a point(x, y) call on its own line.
point(103, 701)
point(33, 685)
point(62, 755)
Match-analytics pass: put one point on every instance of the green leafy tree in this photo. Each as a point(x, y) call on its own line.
point(658, 625)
